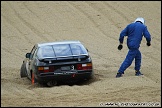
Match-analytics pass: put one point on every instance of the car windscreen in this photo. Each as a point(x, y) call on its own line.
point(59, 50)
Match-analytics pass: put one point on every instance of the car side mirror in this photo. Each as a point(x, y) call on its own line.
point(28, 55)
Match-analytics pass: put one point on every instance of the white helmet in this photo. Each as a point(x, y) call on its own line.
point(140, 19)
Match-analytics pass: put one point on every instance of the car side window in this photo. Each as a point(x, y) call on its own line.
point(32, 52)
point(34, 55)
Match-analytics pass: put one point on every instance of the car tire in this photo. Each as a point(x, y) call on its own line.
point(23, 72)
point(51, 83)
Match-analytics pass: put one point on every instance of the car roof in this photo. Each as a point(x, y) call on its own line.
point(57, 42)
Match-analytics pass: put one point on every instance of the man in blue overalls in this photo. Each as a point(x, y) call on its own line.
point(135, 31)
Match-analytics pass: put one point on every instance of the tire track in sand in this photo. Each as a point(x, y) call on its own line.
point(82, 8)
point(10, 22)
point(29, 25)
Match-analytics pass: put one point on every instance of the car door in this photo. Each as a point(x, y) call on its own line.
point(30, 61)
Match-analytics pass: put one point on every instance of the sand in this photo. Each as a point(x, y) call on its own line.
point(97, 24)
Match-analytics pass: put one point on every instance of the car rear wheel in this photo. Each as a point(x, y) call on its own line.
point(51, 83)
point(23, 72)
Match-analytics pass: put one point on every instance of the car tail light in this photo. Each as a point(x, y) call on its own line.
point(87, 66)
point(46, 69)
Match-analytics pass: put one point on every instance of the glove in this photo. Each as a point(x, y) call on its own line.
point(120, 47)
point(148, 43)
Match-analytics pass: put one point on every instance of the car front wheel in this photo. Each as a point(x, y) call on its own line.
point(23, 72)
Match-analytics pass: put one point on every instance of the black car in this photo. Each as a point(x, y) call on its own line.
point(64, 61)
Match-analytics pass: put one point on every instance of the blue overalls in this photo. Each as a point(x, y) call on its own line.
point(135, 32)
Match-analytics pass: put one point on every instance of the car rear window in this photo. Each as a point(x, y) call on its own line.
point(78, 49)
point(61, 50)
point(46, 51)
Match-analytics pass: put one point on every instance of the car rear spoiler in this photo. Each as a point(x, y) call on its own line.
point(79, 57)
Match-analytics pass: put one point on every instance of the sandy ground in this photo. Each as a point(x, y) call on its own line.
point(97, 25)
